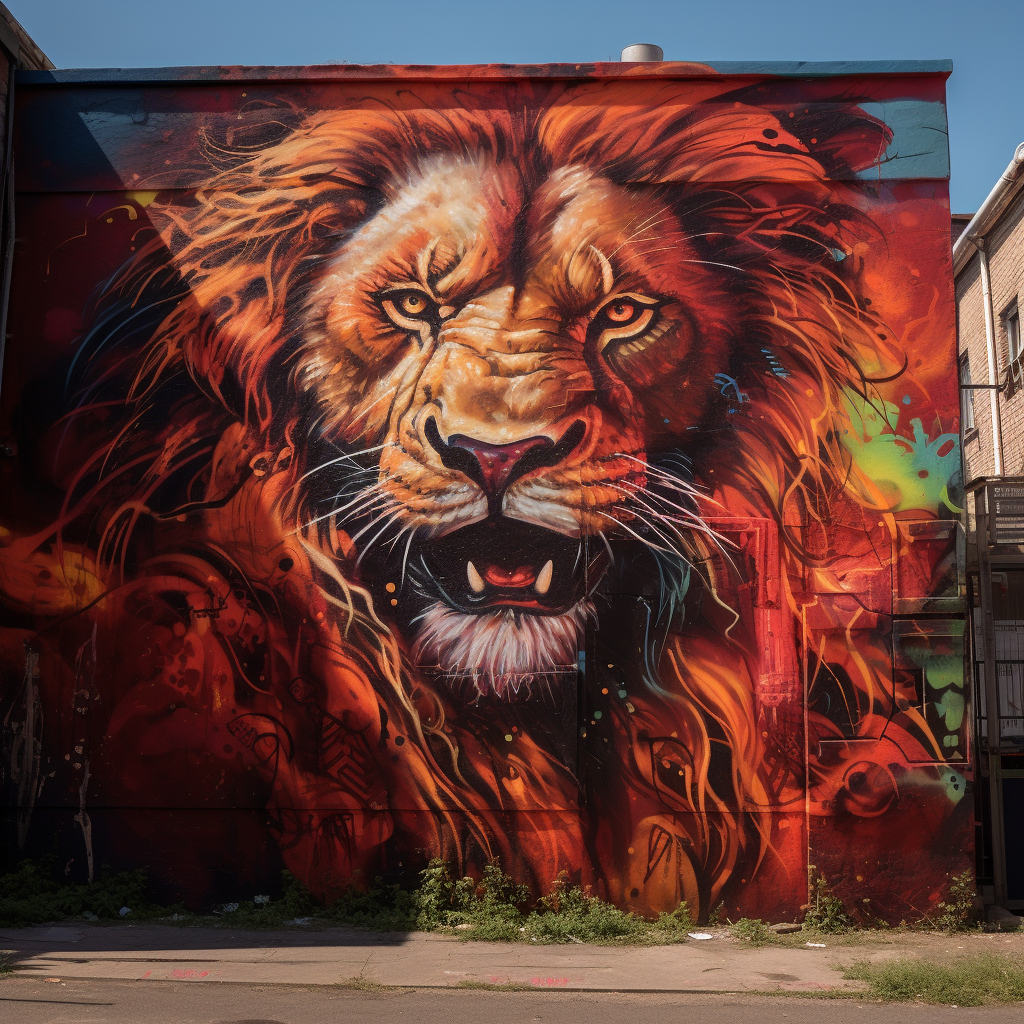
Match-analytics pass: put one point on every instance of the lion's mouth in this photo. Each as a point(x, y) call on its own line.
point(504, 563)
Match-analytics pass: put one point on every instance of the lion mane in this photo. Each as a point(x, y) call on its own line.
point(250, 653)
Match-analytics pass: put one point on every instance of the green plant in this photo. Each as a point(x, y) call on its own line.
point(31, 895)
point(956, 913)
point(825, 911)
point(673, 925)
point(441, 901)
point(571, 914)
point(970, 981)
point(752, 930)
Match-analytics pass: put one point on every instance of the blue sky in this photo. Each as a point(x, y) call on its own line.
point(984, 38)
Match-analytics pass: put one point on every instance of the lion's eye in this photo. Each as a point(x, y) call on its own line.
point(410, 308)
point(622, 318)
point(412, 304)
point(622, 312)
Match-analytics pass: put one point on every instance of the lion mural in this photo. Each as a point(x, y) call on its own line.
point(452, 480)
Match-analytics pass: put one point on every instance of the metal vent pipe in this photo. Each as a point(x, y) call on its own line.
point(638, 52)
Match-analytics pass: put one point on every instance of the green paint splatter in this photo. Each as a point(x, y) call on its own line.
point(942, 670)
point(951, 706)
point(955, 783)
point(909, 471)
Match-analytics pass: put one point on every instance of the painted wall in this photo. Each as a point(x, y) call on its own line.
point(550, 464)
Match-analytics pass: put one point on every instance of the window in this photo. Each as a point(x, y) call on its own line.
point(966, 398)
point(1011, 324)
point(1010, 319)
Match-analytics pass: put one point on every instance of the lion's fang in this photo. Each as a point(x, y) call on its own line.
point(475, 581)
point(543, 583)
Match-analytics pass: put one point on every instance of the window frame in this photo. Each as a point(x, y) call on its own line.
point(1011, 316)
point(1013, 346)
point(968, 424)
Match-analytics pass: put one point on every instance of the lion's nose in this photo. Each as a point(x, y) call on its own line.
point(496, 466)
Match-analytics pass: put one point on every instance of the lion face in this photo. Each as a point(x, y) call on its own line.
point(520, 327)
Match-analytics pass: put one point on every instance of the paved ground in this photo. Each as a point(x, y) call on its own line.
point(334, 956)
point(33, 1001)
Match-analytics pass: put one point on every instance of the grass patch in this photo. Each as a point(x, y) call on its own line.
point(969, 981)
point(362, 985)
point(751, 930)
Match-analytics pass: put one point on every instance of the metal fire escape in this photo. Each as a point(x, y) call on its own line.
point(995, 580)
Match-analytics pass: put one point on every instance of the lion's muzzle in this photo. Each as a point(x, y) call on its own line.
point(495, 467)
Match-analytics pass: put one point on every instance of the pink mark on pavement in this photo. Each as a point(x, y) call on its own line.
point(549, 982)
point(188, 973)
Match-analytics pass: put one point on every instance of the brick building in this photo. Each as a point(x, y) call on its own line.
point(17, 50)
point(988, 262)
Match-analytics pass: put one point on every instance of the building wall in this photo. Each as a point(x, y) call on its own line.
point(1006, 267)
point(554, 465)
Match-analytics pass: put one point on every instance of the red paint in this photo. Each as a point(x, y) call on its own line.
point(170, 558)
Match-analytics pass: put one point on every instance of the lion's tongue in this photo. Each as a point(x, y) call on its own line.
point(524, 576)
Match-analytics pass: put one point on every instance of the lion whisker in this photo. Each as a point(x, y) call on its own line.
point(661, 479)
point(405, 555)
point(607, 545)
point(684, 517)
point(366, 412)
point(655, 219)
point(630, 488)
point(389, 518)
point(674, 482)
point(354, 484)
point(672, 552)
point(350, 456)
point(365, 494)
point(677, 544)
point(363, 502)
point(693, 523)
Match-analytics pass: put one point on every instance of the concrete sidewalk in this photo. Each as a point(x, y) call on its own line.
point(333, 956)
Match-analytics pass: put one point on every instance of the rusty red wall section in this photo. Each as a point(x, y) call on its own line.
point(556, 465)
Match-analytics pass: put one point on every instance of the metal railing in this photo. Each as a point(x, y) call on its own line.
point(1010, 688)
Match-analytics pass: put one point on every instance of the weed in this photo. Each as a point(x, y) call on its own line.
point(826, 912)
point(30, 895)
point(572, 914)
point(752, 930)
point(970, 981)
point(358, 984)
point(956, 914)
point(673, 925)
